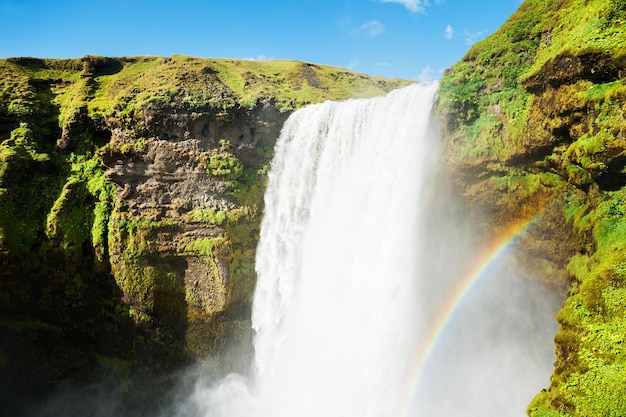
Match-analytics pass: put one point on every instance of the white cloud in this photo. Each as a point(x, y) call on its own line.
point(372, 28)
point(413, 5)
point(449, 32)
point(381, 64)
point(353, 64)
point(259, 58)
point(426, 75)
point(472, 38)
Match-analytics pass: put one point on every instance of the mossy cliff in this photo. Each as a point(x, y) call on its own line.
point(535, 131)
point(130, 202)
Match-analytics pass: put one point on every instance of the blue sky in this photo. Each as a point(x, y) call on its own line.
point(412, 39)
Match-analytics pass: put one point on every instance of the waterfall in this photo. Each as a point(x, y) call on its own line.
point(361, 244)
point(337, 259)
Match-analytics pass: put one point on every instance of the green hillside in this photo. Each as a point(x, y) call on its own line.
point(535, 121)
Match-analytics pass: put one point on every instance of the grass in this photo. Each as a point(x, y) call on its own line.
point(225, 83)
point(124, 88)
point(493, 71)
point(295, 84)
point(584, 26)
point(590, 373)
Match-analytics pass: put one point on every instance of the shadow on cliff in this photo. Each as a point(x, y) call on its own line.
point(97, 361)
point(68, 341)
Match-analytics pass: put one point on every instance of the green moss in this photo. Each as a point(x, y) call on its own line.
point(583, 26)
point(540, 407)
point(578, 267)
point(597, 92)
point(209, 216)
point(224, 165)
point(204, 246)
point(594, 384)
point(590, 378)
point(576, 212)
point(242, 238)
point(70, 219)
point(600, 391)
point(82, 211)
point(577, 175)
point(525, 185)
point(137, 281)
point(24, 204)
point(610, 114)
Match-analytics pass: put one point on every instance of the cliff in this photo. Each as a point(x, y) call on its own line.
point(535, 132)
point(131, 191)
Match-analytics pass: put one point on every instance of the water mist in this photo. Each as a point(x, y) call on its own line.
point(361, 242)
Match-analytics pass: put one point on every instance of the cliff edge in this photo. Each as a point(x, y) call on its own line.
point(535, 133)
point(131, 192)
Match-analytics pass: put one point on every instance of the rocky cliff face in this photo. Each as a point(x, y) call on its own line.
point(535, 121)
point(131, 192)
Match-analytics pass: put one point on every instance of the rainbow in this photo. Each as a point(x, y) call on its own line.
point(489, 258)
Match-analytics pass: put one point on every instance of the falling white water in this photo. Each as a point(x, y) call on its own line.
point(360, 245)
point(337, 257)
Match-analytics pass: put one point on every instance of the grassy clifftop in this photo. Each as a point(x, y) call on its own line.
point(104, 83)
point(535, 119)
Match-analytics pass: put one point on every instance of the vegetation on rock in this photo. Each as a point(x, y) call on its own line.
point(130, 204)
point(538, 109)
